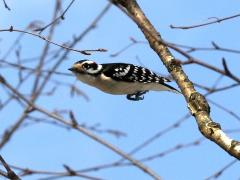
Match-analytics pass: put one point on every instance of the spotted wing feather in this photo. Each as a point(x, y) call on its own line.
point(131, 73)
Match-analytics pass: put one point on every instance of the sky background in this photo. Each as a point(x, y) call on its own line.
point(47, 147)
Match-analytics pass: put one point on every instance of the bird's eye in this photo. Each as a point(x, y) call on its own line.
point(86, 66)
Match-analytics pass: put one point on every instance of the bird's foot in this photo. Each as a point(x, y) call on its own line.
point(137, 96)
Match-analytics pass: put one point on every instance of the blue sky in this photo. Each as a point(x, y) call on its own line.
point(46, 147)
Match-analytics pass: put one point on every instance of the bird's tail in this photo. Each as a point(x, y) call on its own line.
point(172, 89)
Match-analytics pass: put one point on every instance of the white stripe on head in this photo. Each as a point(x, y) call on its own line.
point(94, 71)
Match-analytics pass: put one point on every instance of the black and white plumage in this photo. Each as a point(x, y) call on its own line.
point(120, 78)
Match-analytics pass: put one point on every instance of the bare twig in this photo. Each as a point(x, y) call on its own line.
point(189, 49)
point(214, 47)
point(211, 67)
point(16, 42)
point(225, 109)
point(44, 54)
point(133, 42)
point(220, 172)
point(223, 88)
point(61, 17)
point(10, 173)
point(6, 6)
point(192, 60)
point(216, 20)
point(85, 52)
point(30, 69)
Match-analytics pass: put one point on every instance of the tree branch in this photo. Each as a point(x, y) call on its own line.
point(196, 102)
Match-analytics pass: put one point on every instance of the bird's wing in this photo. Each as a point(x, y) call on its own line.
point(131, 73)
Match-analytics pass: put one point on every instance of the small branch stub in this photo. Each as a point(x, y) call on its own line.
point(174, 65)
point(210, 128)
point(197, 102)
point(235, 145)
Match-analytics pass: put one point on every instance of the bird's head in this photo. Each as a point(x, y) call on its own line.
point(86, 67)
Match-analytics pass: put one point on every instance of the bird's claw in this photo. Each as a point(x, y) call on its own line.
point(134, 97)
point(137, 96)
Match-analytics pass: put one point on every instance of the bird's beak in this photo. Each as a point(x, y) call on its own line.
point(75, 70)
point(71, 69)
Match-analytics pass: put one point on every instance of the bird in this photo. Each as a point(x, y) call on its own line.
point(120, 78)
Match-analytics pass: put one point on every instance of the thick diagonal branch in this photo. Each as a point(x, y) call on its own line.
point(196, 102)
